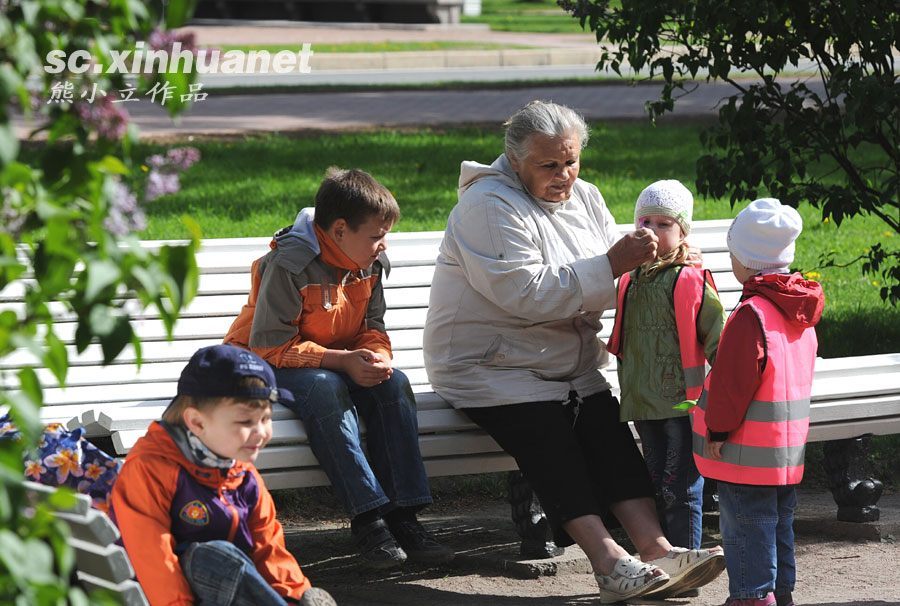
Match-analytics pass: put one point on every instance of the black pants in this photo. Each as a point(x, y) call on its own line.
point(577, 465)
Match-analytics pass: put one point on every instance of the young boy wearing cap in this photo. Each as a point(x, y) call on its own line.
point(193, 511)
point(316, 313)
point(753, 417)
point(672, 317)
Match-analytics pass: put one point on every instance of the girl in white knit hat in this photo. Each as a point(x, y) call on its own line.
point(667, 326)
point(752, 421)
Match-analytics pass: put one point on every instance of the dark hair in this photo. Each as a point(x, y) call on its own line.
point(354, 196)
point(174, 413)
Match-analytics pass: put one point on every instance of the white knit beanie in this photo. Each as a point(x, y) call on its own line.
point(762, 235)
point(668, 198)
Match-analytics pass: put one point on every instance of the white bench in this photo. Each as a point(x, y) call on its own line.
point(851, 396)
point(99, 562)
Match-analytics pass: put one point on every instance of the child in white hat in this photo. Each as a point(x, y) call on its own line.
point(753, 418)
point(667, 326)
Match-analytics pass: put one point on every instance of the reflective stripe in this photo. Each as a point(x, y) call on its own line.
point(694, 375)
point(773, 412)
point(755, 456)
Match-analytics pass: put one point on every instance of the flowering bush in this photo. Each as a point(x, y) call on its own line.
point(68, 218)
point(163, 176)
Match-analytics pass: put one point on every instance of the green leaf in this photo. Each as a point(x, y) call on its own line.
point(112, 165)
point(101, 320)
point(115, 341)
point(62, 498)
point(39, 558)
point(101, 274)
point(178, 12)
point(685, 405)
point(31, 385)
point(6, 507)
point(9, 144)
point(12, 554)
point(83, 334)
point(56, 358)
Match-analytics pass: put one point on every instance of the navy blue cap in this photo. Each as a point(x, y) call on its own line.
point(216, 372)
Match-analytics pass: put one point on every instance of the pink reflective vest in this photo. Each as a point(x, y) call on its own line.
point(768, 447)
point(688, 298)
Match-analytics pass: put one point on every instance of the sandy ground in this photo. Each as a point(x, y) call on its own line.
point(832, 571)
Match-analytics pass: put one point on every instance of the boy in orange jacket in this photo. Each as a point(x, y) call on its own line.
point(196, 518)
point(316, 313)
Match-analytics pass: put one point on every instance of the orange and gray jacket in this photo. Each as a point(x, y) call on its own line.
point(164, 500)
point(307, 296)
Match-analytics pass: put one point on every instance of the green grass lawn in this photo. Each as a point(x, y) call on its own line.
point(253, 186)
point(543, 16)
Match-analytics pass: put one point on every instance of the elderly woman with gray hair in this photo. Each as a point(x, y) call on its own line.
point(527, 266)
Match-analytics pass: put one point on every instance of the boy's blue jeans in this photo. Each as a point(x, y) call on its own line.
point(220, 574)
point(757, 524)
point(668, 453)
point(330, 405)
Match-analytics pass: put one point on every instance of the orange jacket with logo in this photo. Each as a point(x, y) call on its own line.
point(162, 500)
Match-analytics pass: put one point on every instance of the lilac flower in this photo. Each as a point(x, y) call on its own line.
point(163, 177)
point(124, 215)
point(182, 158)
point(160, 184)
point(108, 119)
point(12, 217)
point(165, 39)
point(156, 161)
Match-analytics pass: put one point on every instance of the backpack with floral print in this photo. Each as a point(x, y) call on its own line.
point(67, 458)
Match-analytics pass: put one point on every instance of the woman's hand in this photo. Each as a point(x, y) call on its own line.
point(632, 250)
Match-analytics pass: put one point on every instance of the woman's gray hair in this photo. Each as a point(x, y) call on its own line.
point(545, 118)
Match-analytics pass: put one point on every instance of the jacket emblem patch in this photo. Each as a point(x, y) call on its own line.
point(195, 513)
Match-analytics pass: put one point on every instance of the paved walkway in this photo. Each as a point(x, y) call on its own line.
point(266, 113)
point(337, 111)
point(839, 564)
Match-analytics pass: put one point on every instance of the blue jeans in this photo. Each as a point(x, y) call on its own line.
point(220, 574)
point(330, 405)
point(757, 524)
point(668, 453)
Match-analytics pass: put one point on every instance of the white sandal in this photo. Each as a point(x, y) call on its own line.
point(688, 569)
point(629, 578)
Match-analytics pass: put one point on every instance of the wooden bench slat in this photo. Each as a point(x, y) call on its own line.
point(435, 467)
point(42, 492)
point(432, 446)
point(108, 562)
point(93, 527)
point(128, 592)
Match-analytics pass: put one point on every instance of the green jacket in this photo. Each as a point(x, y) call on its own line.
point(650, 372)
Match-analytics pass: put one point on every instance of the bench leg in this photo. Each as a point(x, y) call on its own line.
point(855, 492)
point(530, 521)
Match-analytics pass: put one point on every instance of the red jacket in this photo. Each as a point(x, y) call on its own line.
point(741, 355)
point(162, 499)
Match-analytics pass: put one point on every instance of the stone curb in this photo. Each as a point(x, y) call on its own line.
point(460, 58)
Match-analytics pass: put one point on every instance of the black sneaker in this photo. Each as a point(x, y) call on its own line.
point(377, 547)
point(419, 544)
